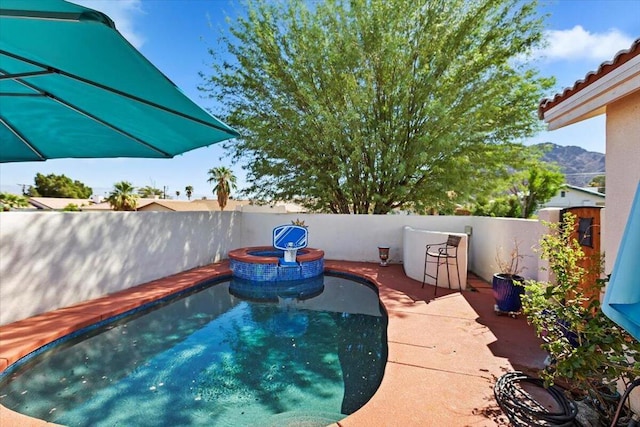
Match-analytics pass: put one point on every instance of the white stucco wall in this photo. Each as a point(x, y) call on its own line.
point(573, 198)
point(356, 237)
point(623, 169)
point(349, 237)
point(491, 235)
point(414, 252)
point(55, 259)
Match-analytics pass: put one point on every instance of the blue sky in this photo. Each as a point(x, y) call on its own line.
point(176, 34)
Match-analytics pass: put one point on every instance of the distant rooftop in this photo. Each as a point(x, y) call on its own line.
point(588, 190)
point(57, 203)
point(153, 204)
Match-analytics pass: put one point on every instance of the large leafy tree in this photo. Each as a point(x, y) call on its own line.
point(530, 185)
point(122, 197)
point(364, 106)
point(223, 181)
point(59, 186)
point(535, 185)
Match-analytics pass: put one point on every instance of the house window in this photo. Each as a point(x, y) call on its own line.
point(563, 193)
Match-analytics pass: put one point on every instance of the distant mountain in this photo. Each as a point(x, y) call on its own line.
point(578, 165)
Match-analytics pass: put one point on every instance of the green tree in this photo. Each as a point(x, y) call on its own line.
point(122, 197)
point(189, 191)
point(502, 206)
point(536, 185)
point(365, 106)
point(586, 348)
point(10, 201)
point(59, 186)
point(72, 207)
point(224, 181)
point(599, 183)
point(530, 183)
point(149, 192)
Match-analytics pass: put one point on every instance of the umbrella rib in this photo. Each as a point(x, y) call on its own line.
point(17, 77)
point(90, 116)
point(88, 14)
point(21, 75)
point(19, 94)
point(121, 93)
point(22, 138)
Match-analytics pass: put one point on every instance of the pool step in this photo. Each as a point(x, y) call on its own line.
point(289, 271)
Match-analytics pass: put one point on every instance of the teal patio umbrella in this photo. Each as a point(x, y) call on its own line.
point(622, 296)
point(72, 86)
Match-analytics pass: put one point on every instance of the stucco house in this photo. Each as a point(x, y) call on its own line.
point(614, 90)
point(202, 205)
point(212, 205)
point(163, 205)
point(571, 196)
point(57, 203)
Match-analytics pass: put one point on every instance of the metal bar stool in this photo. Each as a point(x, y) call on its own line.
point(441, 253)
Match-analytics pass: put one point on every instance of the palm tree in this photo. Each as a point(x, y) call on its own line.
point(224, 181)
point(177, 194)
point(122, 197)
point(149, 192)
point(189, 190)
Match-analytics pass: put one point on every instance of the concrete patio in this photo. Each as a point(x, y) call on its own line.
point(445, 352)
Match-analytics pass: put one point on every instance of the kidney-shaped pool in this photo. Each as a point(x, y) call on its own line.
point(210, 357)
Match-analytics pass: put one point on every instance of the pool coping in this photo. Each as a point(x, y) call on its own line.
point(441, 366)
point(244, 255)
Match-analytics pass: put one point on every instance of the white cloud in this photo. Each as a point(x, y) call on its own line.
point(578, 43)
point(123, 13)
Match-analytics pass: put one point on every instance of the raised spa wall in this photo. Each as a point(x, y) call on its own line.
point(245, 265)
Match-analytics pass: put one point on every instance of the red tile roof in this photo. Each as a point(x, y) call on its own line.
point(605, 68)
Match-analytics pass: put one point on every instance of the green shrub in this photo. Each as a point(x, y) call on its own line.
point(586, 349)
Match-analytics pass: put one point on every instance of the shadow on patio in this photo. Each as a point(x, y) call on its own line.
point(445, 352)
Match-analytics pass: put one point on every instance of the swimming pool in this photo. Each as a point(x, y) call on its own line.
point(212, 358)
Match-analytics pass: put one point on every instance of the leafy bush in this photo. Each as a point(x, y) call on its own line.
point(10, 201)
point(72, 207)
point(586, 349)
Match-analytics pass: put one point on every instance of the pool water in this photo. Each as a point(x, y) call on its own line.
point(212, 359)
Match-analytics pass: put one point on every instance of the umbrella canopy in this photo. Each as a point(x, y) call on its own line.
point(72, 86)
point(622, 297)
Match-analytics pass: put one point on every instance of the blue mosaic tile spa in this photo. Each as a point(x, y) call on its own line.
point(288, 259)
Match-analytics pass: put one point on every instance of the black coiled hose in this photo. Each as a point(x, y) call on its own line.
point(631, 386)
point(524, 411)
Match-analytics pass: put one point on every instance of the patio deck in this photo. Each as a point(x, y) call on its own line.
point(445, 353)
